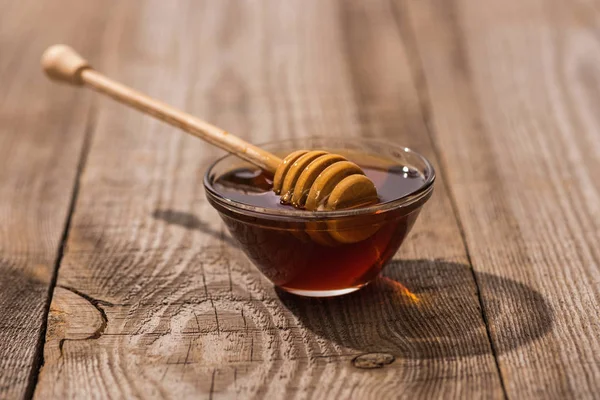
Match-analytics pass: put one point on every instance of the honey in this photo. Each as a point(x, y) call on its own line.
point(299, 256)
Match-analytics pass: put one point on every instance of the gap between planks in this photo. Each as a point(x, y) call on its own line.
point(407, 36)
point(38, 360)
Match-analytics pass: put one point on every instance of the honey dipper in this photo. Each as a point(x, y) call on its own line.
point(308, 179)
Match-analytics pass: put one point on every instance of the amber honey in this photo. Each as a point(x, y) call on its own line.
point(298, 255)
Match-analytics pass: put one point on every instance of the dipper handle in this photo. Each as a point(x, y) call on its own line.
point(62, 63)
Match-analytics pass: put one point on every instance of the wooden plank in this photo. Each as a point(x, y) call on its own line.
point(513, 89)
point(154, 299)
point(42, 131)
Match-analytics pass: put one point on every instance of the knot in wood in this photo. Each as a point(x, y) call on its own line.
point(373, 360)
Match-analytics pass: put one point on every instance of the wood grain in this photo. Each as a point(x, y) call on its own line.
point(42, 131)
point(174, 309)
point(512, 91)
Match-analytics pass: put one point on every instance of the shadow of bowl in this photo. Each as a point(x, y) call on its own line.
point(421, 309)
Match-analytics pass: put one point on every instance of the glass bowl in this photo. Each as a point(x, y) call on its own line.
point(293, 248)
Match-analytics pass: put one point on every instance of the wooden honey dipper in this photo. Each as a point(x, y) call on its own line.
point(312, 180)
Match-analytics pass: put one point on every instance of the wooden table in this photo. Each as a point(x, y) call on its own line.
point(118, 280)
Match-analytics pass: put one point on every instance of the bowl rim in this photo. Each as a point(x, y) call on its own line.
point(302, 215)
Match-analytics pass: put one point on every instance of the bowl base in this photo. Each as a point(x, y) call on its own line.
point(321, 293)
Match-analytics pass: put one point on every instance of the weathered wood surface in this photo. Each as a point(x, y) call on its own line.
point(154, 300)
point(42, 131)
point(173, 308)
point(513, 89)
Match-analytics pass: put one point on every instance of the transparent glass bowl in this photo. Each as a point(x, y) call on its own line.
point(292, 248)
